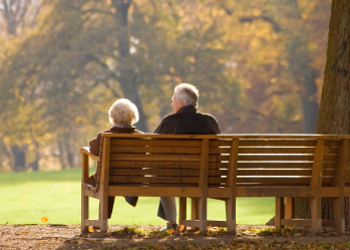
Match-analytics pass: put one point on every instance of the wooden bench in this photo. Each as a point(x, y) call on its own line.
point(149, 165)
point(222, 167)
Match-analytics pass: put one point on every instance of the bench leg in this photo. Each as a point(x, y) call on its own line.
point(231, 215)
point(203, 215)
point(182, 210)
point(338, 214)
point(103, 215)
point(279, 214)
point(316, 220)
point(289, 208)
point(84, 212)
point(194, 208)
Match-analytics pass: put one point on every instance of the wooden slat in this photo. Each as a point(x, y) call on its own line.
point(274, 142)
point(275, 172)
point(154, 157)
point(162, 164)
point(266, 150)
point(273, 181)
point(286, 165)
point(155, 142)
point(168, 191)
point(155, 150)
point(157, 172)
point(180, 181)
point(274, 157)
point(291, 191)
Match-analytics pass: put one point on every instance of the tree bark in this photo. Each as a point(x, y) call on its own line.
point(127, 75)
point(334, 113)
point(19, 157)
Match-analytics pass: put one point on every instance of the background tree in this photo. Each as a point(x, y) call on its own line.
point(59, 75)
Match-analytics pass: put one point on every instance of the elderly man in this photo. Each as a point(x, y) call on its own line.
point(185, 120)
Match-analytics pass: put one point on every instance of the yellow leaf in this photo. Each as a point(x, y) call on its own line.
point(44, 219)
point(91, 230)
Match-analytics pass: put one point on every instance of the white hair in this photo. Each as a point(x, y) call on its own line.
point(123, 112)
point(188, 93)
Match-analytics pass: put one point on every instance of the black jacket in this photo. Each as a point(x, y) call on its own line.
point(188, 121)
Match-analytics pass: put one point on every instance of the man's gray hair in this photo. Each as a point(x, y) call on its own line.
point(188, 93)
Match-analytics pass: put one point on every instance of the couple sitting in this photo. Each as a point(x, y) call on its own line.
point(185, 120)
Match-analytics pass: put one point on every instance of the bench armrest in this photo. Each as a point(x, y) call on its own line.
point(85, 156)
point(86, 150)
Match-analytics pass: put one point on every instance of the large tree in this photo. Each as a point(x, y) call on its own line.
point(334, 113)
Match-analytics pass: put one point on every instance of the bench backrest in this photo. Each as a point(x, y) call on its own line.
point(152, 160)
point(225, 160)
point(288, 161)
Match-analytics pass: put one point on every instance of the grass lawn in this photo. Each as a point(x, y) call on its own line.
point(26, 197)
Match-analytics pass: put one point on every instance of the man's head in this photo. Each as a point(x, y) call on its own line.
point(123, 113)
point(184, 94)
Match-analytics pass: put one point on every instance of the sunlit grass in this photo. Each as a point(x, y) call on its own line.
point(26, 197)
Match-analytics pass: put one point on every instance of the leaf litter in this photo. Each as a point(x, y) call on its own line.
point(137, 237)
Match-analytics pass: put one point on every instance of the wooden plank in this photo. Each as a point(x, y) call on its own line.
point(222, 192)
point(154, 157)
point(180, 181)
point(275, 172)
point(278, 142)
point(280, 164)
point(266, 150)
point(203, 184)
point(272, 181)
point(155, 172)
point(155, 150)
point(160, 164)
point(155, 164)
point(292, 191)
point(155, 191)
point(274, 157)
point(173, 143)
point(317, 166)
point(103, 208)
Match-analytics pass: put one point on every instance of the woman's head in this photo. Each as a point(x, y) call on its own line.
point(123, 113)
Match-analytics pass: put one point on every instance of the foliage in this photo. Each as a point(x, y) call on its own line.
point(60, 73)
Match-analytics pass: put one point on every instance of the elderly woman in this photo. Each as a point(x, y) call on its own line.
point(122, 114)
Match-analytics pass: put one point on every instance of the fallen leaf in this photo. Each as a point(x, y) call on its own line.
point(44, 219)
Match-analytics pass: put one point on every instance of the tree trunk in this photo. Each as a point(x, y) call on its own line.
point(127, 75)
point(334, 114)
point(19, 157)
point(309, 100)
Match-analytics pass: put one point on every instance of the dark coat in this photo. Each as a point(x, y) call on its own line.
point(94, 144)
point(188, 121)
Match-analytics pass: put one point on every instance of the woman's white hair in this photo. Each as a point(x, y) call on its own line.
point(123, 112)
point(188, 93)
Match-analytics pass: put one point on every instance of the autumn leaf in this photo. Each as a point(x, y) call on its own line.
point(44, 219)
point(91, 230)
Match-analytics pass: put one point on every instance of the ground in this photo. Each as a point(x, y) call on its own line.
point(148, 237)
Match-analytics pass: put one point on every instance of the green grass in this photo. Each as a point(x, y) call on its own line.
point(26, 197)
